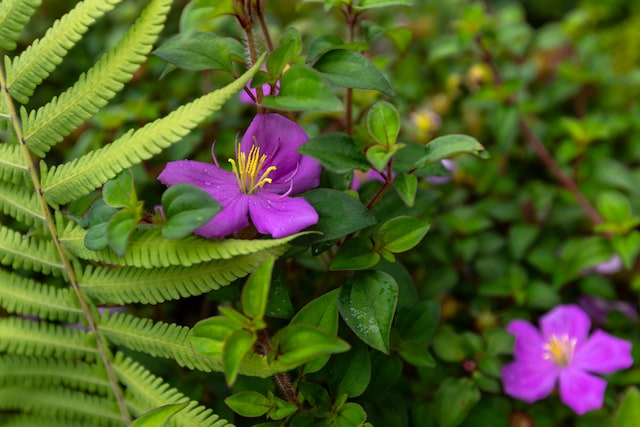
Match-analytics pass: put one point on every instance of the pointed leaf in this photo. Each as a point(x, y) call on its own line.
point(346, 68)
point(448, 146)
point(454, 399)
point(406, 185)
point(256, 290)
point(119, 228)
point(196, 50)
point(207, 337)
point(248, 403)
point(337, 152)
point(356, 254)
point(367, 303)
point(298, 343)
point(119, 192)
point(186, 208)
point(628, 414)
point(401, 233)
point(383, 123)
point(158, 417)
point(236, 346)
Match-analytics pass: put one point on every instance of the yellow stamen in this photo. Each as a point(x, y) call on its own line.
point(247, 168)
point(560, 349)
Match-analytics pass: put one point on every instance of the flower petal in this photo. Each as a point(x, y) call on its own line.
point(529, 343)
point(232, 217)
point(210, 178)
point(529, 381)
point(279, 139)
point(603, 354)
point(580, 391)
point(280, 216)
point(566, 320)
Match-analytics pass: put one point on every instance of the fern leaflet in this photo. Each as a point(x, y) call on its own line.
point(148, 249)
point(27, 297)
point(171, 341)
point(29, 420)
point(74, 179)
point(14, 14)
point(37, 372)
point(60, 402)
point(150, 286)
point(28, 252)
point(33, 65)
point(21, 203)
point(146, 391)
point(51, 123)
point(29, 337)
point(12, 165)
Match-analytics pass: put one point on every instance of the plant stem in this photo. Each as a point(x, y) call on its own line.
point(352, 20)
point(537, 145)
point(103, 351)
point(263, 26)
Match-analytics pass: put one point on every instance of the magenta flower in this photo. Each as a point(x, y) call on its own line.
point(266, 170)
point(266, 90)
point(562, 351)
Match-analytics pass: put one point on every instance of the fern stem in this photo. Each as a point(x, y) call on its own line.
point(103, 351)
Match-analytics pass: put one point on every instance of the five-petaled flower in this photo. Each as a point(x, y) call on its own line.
point(266, 170)
point(562, 351)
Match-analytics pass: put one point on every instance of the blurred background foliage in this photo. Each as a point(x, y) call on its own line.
point(507, 239)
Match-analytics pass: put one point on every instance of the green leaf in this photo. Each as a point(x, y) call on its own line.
point(281, 409)
point(627, 247)
point(159, 417)
point(302, 89)
point(346, 68)
point(454, 399)
point(248, 403)
point(352, 370)
point(340, 214)
point(356, 254)
point(628, 414)
point(383, 123)
point(119, 192)
point(336, 151)
point(416, 353)
point(371, 4)
point(348, 415)
point(448, 345)
point(207, 337)
point(406, 185)
point(299, 343)
point(236, 347)
point(256, 290)
point(98, 218)
point(379, 156)
point(419, 321)
point(521, 237)
point(401, 233)
point(367, 303)
point(186, 208)
point(196, 51)
point(326, 42)
point(280, 57)
point(120, 227)
point(448, 146)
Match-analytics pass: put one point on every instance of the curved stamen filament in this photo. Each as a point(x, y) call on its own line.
point(247, 167)
point(560, 349)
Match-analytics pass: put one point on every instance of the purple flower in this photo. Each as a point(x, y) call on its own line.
point(562, 351)
point(266, 90)
point(266, 170)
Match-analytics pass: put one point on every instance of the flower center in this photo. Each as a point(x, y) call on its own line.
point(247, 170)
point(560, 349)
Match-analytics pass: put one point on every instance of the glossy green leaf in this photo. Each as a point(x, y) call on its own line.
point(337, 152)
point(120, 227)
point(356, 254)
point(346, 68)
point(383, 123)
point(98, 218)
point(298, 343)
point(302, 89)
point(419, 321)
point(186, 207)
point(281, 409)
point(198, 14)
point(280, 57)
point(248, 403)
point(340, 214)
point(207, 337)
point(628, 414)
point(367, 303)
point(379, 156)
point(454, 399)
point(352, 370)
point(401, 233)
point(236, 346)
point(348, 415)
point(371, 4)
point(119, 192)
point(448, 146)
point(159, 417)
point(195, 51)
point(326, 42)
point(406, 185)
point(256, 290)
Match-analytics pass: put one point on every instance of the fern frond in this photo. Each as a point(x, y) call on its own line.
point(146, 391)
point(27, 252)
point(30, 420)
point(12, 164)
point(27, 337)
point(148, 249)
point(150, 286)
point(56, 402)
point(78, 177)
point(26, 297)
point(33, 65)
point(38, 371)
point(170, 341)
point(21, 203)
point(51, 123)
point(14, 14)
